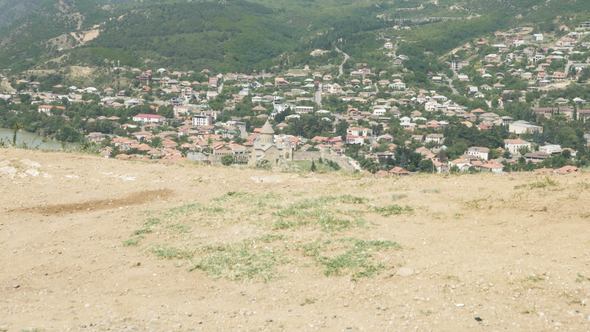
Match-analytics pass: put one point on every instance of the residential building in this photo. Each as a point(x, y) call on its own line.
point(515, 146)
point(479, 152)
point(524, 127)
point(149, 118)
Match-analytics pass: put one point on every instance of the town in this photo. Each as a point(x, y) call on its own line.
point(514, 101)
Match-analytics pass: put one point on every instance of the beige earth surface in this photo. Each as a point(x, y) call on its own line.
point(89, 244)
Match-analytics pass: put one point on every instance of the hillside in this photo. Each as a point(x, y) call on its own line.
point(101, 244)
point(247, 34)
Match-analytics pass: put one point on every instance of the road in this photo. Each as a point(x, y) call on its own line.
point(318, 95)
point(450, 81)
point(346, 58)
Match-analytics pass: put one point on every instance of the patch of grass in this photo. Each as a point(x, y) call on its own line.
point(241, 261)
point(232, 195)
point(542, 184)
point(535, 278)
point(148, 226)
point(269, 238)
point(321, 212)
point(534, 281)
point(573, 299)
point(182, 210)
point(132, 242)
point(308, 301)
point(349, 199)
point(212, 209)
point(426, 312)
point(164, 252)
point(283, 224)
point(266, 201)
point(304, 167)
point(392, 210)
point(355, 260)
point(179, 228)
point(479, 203)
point(331, 223)
point(257, 201)
point(451, 277)
point(581, 278)
point(191, 209)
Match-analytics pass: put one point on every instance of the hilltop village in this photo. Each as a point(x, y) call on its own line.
point(517, 100)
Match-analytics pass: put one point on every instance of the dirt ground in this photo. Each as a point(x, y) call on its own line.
point(94, 244)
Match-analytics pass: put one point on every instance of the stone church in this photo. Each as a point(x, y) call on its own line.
point(267, 150)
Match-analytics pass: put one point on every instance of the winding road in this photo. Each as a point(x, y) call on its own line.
point(346, 58)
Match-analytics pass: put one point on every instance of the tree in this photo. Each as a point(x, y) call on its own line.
point(166, 111)
point(426, 166)
point(156, 142)
point(17, 126)
point(341, 129)
point(227, 160)
point(25, 98)
point(313, 166)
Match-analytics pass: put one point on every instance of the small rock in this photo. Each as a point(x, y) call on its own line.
point(32, 172)
point(478, 319)
point(405, 272)
point(459, 305)
point(8, 170)
point(30, 163)
point(16, 286)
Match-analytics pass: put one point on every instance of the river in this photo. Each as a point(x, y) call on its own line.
point(32, 140)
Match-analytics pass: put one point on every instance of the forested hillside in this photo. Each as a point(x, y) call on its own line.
point(248, 34)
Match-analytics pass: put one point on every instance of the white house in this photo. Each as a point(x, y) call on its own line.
point(379, 111)
point(437, 139)
point(350, 139)
point(524, 127)
point(515, 145)
point(398, 85)
point(48, 108)
point(550, 149)
point(202, 120)
point(479, 152)
point(463, 77)
point(359, 131)
point(303, 109)
point(149, 118)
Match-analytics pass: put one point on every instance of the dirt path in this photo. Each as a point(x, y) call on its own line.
point(138, 198)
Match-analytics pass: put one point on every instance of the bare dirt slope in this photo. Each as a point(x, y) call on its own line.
point(94, 244)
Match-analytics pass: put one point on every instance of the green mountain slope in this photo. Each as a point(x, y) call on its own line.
point(247, 34)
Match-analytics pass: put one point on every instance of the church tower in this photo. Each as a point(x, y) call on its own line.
point(267, 134)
